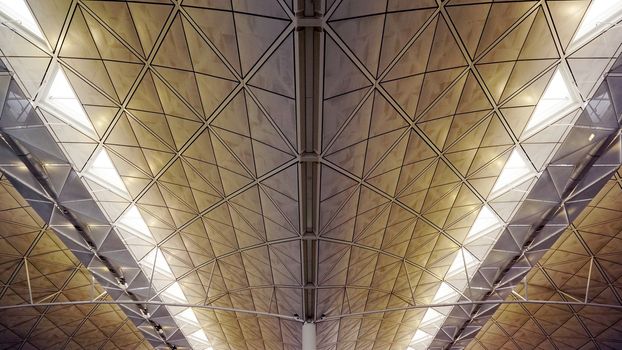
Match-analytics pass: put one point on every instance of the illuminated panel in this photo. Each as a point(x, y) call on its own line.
point(19, 12)
point(155, 260)
point(601, 15)
point(199, 340)
point(188, 316)
point(464, 260)
point(445, 293)
point(515, 171)
point(174, 294)
point(103, 172)
point(431, 316)
point(62, 100)
point(556, 101)
point(485, 223)
point(420, 340)
point(132, 221)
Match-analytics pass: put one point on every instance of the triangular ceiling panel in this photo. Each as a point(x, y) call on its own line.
point(255, 35)
point(253, 138)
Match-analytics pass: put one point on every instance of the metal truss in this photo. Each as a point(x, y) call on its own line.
point(97, 301)
point(495, 280)
point(542, 218)
point(67, 208)
point(311, 29)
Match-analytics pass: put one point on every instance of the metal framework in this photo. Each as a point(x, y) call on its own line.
point(590, 171)
point(315, 32)
point(53, 205)
point(325, 319)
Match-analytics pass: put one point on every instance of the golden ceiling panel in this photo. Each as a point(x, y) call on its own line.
point(582, 265)
point(36, 264)
point(198, 106)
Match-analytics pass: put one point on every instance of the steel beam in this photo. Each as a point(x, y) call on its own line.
point(324, 319)
point(308, 44)
point(23, 164)
point(592, 165)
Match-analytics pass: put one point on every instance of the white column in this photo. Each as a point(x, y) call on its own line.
point(308, 336)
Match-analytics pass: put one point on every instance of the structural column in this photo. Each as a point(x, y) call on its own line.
point(308, 336)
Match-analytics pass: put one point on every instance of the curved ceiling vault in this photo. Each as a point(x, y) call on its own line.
point(403, 174)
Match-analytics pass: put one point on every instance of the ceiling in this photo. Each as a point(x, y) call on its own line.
point(587, 251)
point(302, 160)
point(36, 263)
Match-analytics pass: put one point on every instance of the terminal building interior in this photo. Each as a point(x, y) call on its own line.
point(311, 174)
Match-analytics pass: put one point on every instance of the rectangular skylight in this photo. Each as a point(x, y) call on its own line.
point(515, 171)
point(601, 15)
point(104, 172)
point(175, 293)
point(132, 221)
point(61, 97)
point(556, 101)
point(18, 11)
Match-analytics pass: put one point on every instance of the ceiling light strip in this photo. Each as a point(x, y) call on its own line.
point(35, 170)
point(559, 98)
point(60, 99)
point(17, 15)
point(154, 264)
point(547, 232)
point(600, 16)
point(592, 163)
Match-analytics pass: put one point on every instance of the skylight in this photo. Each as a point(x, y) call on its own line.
point(155, 259)
point(556, 100)
point(515, 171)
point(431, 316)
point(444, 293)
point(421, 336)
point(62, 98)
point(188, 316)
point(485, 222)
point(18, 11)
point(199, 336)
point(420, 340)
point(175, 293)
point(103, 171)
point(464, 261)
point(600, 15)
point(132, 221)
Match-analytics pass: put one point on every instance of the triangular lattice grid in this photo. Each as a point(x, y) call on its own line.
point(196, 104)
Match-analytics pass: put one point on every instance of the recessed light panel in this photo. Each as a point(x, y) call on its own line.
point(19, 12)
point(63, 101)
